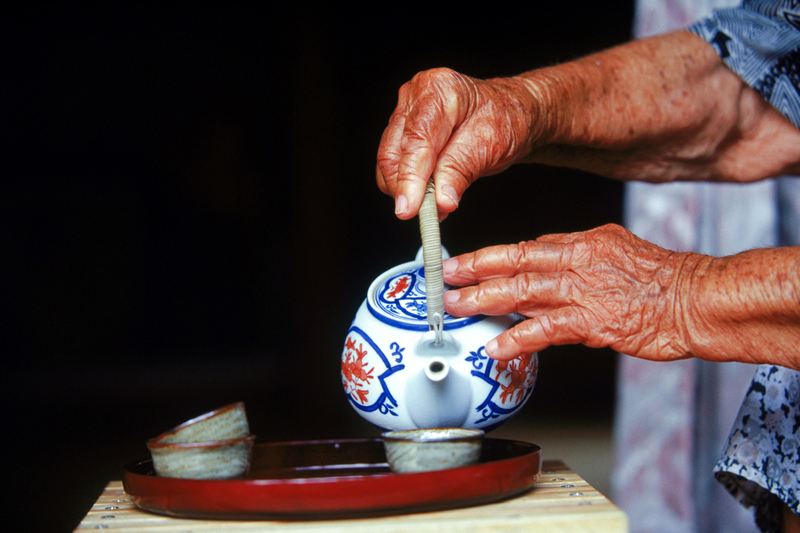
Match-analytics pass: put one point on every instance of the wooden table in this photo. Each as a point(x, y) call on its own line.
point(559, 502)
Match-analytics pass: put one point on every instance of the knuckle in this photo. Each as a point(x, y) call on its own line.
point(520, 252)
point(612, 228)
point(431, 81)
point(380, 178)
point(486, 298)
point(610, 233)
point(517, 337)
point(466, 263)
point(523, 292)
point(415, 136)
point(551, 329)
point(568, 288)
point(385, 163)
point(547, 327)
point(413, 169)
point(592, 327)
point(458, 168)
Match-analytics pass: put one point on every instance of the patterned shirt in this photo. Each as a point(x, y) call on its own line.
point(760, 41)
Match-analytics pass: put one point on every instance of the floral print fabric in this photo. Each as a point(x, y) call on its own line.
point(763, 454)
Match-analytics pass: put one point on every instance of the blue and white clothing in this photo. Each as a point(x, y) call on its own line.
point(760, 41)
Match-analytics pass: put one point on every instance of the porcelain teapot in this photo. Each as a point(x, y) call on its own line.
point(397, 376)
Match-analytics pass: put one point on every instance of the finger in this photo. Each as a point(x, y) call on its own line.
point(566, 325)
point(527, 294)
point(474, 149)
point(436, 111)
point(456, 168)
point(420, 147)
point(413, 172)
point(506, 261)
point(486, 263)
point(447, 196)
point(389, 150)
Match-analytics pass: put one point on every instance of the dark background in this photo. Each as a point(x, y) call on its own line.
point(191, 219)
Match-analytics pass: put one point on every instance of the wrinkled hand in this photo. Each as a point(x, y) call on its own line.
point(604, 287)
point(456, 128)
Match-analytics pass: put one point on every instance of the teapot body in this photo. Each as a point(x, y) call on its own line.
point(397, 377)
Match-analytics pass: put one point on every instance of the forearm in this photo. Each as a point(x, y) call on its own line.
point(659, 109)
point(744, 307)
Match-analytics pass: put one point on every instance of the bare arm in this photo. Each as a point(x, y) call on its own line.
point(607, 287)
point(662, 109)
point(658, 109)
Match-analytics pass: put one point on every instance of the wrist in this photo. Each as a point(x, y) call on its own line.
point(552, 99)
point(679, 300)
point(746, 308)
point(532, 109)
point(695, 321)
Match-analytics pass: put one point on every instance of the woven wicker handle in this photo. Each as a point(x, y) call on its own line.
point(432, 257)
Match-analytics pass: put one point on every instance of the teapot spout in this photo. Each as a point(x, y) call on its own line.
point(438, 395)
point(437, 369)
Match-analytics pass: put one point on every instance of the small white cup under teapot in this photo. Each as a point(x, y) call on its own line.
point(397, 377)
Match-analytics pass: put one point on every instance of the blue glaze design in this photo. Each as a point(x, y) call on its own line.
point(477, 358)
point(490, 410)
point(398, 352)
point(400, 302)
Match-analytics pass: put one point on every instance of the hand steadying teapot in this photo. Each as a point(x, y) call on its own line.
point(404, 367)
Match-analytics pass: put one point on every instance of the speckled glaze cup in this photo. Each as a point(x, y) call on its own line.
point(215, 445)
point(423, 450)
point(222, 459)
point(229, 422)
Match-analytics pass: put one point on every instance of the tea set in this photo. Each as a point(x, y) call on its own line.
point(397, 377)
point(407, 366)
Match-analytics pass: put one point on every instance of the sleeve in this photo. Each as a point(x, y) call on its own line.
point(760, 466)
point(760, 41)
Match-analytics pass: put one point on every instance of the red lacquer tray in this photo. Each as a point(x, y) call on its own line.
point(334, 479)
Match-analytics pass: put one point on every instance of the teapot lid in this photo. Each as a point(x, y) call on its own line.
point(397, 298)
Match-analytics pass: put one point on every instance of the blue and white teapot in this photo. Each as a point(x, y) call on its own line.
point(397, 376)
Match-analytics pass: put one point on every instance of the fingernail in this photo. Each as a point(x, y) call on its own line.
point(491, 348)
point(451, 297)
point(451, 193)
point(449, 266)
point(400, 205)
